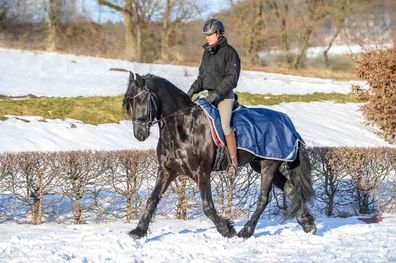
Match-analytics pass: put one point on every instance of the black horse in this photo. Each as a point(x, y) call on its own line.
point(185, 147)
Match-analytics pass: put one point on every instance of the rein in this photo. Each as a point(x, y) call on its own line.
point(177, 113)
point(150, 121)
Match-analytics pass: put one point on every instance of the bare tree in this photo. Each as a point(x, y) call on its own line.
point(32, 180)
point(136, 14)
point(282, 13)
point(165, 32)
point(256, 30)
point(122, 172)
point(317, 10)
point(339, 11)
point(176, 12)
point(129, 33)
point(331, 175)
point(81, 173)
point(52, 25)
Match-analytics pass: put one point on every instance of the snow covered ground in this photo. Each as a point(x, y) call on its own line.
point(169, 240)
point(338, 240)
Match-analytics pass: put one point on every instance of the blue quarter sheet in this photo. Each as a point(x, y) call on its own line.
point(265, 133)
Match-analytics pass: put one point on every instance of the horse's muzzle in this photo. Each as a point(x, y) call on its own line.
point(141, 134)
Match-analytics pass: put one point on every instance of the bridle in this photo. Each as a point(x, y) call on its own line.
point(147, 120)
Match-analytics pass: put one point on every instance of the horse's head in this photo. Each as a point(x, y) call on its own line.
point(140, 106)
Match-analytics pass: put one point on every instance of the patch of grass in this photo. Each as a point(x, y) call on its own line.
point(98, 110)
point(92, 110)
point(269, 99)
point(3, 118)
point(311, 71)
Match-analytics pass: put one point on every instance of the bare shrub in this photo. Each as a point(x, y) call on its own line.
point(81, 173)
point(331, 178)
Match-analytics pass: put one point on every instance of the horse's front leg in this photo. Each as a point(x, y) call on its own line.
point(162, 183)
point(224, 226)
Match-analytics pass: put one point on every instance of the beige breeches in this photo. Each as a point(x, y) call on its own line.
point(225, 110)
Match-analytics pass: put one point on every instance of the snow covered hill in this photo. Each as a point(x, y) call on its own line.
point(62, 75)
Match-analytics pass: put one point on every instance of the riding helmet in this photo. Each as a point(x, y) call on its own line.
point(213, 25)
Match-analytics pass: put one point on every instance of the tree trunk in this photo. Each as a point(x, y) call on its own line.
point(325, 53)
point(51, 25)
point(129, 211)
point(230, 195)
point(36, 214)
point(304, 46)
point(126, 11)
point(257, 28)
point(284, 35)
point(139, 51)
point(330, 205)
point(165, 33)
point(340, 13)
point(130, 44)
point(77, 211)
point(181, 211)
point(317, 11)
point(364, 208)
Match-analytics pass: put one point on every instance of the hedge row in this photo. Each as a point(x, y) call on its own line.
point(85, 186)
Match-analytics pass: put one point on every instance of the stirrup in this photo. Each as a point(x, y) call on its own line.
point(232, 170)
point(232, 166)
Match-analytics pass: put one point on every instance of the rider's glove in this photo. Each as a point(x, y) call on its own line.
point(195, 88)
point(213, 98)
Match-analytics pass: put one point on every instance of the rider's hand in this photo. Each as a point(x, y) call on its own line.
point(191, 92)
point(196, 87)
point(212, 98)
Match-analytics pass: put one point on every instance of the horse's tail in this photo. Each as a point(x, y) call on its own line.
point(300, 177)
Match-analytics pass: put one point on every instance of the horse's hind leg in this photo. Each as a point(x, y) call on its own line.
point(162, 183)
point(267, 171)
point(224, 226)
point(304, 218)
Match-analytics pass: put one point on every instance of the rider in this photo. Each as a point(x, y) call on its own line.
point(219, 74)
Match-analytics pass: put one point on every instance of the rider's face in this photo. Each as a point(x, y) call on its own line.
point(212, 38)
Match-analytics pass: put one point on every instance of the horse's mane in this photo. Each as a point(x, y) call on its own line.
point(158, 85)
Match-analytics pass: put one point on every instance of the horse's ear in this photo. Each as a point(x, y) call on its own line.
point(140, 80)
point(131, 76)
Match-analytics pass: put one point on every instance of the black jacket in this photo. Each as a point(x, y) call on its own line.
point(219, 69)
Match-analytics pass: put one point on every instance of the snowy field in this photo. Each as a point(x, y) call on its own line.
point(169, 240)
point(51, 74)
point(338, 240)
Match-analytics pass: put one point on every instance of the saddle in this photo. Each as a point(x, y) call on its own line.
point(265, 133)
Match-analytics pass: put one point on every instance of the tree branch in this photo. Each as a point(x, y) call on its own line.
point(113, 6)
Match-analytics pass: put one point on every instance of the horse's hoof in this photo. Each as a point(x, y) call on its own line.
point(310, 228)
point(137, 233)
point(245, 232)
point(228, 231)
